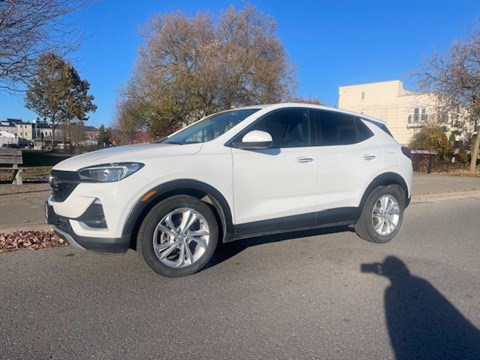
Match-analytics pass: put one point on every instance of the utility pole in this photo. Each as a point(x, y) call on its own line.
point(476, 144)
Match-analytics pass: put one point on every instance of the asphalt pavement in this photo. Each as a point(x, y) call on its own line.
point(21, 206)
point(315, 295)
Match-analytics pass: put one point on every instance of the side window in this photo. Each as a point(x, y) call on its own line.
point(340, 129)
point(380, 125)
point(363, 132)
point(288, 127)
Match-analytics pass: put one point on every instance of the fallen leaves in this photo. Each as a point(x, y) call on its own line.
point(31, 240)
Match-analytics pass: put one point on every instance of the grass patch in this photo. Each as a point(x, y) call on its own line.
point(34, 174)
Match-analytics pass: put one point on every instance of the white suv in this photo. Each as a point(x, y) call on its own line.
point(236, 174)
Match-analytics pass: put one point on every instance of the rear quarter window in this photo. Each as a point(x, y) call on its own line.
point(339, 129)
point(380, 125)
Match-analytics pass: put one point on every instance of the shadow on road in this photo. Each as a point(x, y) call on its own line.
point(229, 250)
point(421, 322)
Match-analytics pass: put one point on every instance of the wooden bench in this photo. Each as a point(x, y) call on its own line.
point(12, 158)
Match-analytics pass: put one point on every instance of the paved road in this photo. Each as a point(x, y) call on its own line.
point(21, 207)
point(332, 296)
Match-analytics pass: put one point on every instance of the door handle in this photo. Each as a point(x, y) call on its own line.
point(369, 157)
point(304, 160)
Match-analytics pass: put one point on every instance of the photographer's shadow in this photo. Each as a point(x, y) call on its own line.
point(422, 323)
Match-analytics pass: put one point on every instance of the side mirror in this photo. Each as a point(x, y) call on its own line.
point(256, 140)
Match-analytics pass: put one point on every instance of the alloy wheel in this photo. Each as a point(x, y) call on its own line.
point(181, 238)
point(385, 215)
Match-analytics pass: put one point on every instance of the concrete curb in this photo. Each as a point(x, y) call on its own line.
point(436, 197)
point(25, 227)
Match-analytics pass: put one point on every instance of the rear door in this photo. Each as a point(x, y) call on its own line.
point(349, 158)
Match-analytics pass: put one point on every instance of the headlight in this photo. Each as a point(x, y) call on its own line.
point(109, 172)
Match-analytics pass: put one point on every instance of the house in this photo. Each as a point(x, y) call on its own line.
point(10, 125)
point(90, 136)
point(7, 138)
point(25, 131)
point(404, 111)
point(14, 132)
point(42, 129)
point(40, 134)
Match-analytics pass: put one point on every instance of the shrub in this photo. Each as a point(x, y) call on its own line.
point(431, 138)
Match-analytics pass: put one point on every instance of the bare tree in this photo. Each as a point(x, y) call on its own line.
point(131, 118)
point(309, 100)
point(75, 134)
point(29, 28)
point(455, 77)
point(192, 67)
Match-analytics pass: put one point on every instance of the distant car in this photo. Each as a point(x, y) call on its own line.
point(10, 146)
point(236, 174)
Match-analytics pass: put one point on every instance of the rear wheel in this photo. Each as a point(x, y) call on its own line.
point(382, 214)
point(178, 236)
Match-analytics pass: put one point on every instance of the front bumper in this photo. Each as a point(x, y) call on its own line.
point(102, 244)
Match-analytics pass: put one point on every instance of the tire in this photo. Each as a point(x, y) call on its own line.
point(178, 236)
point(382, 214)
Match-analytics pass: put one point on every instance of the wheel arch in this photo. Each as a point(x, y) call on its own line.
point(197, 189)
point(385, 180)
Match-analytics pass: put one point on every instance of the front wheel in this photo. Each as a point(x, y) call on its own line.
point(382, 214)
point(178, 236)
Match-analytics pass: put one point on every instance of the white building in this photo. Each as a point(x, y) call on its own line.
point(24, 130)
point(9, 125)
point(7, 137)
point(403, 111)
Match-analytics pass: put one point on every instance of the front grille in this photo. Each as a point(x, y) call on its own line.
point(63, 183)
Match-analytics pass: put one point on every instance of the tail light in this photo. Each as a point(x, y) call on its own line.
point(407, 152)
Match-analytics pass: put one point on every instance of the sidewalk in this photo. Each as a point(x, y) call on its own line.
point(433, 187)
point(22, 206)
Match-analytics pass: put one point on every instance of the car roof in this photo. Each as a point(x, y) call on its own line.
point(310, 106)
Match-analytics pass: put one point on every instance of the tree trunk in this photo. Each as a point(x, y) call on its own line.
point(53, 134)
point(65, 129)
point(476, 144)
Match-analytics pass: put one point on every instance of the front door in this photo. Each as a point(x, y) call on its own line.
point(282, 181)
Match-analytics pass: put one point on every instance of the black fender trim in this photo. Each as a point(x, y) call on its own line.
point(385, 180)
point(195, 188)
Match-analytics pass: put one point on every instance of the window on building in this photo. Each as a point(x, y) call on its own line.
point(443, 116)
point(455, 120)
point(417, 115)
point(423, 115)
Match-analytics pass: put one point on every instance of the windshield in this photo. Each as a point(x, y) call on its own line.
point(210, 127)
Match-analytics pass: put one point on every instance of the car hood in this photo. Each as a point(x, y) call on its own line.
point(129, 153)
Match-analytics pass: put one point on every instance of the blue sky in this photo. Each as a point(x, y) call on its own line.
point(331, 43)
